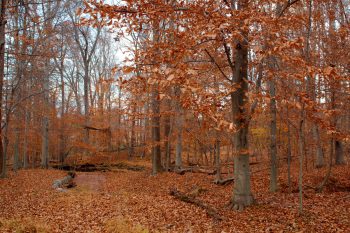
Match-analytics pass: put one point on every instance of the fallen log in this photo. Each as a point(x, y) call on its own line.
point(65, 183)
point(188, 199)
point(88, 167)
point(224, 181)
point(182, 171)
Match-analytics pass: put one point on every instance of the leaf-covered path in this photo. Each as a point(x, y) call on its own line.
point(126, 201)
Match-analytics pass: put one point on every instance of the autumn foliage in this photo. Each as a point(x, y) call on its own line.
point(246, 100)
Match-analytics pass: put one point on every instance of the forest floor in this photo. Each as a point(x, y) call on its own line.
point(133, 201)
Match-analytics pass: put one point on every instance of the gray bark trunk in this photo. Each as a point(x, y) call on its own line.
point(62, 141)
point(167, 133)
point(179, 128)
point(339, 153)
point(86, 101)
point(301, 158)
point(242, 195)
point(217, 160)
point(156, 152)
point(2, 65)
point(16, 151)
point(45, 127)
point(273, 141)
point(319, 151)
point(25, 143)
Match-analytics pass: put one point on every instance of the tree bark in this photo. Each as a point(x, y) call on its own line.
point(301, 159)
point(217, 159)
point(289, 156)
point(45, 131)
point(25, 143)
point(156, 152)
point(179, 128)
point(2, 66)
point(242, 195)
point(273, 141)
point(339, 153)
point(167, 133)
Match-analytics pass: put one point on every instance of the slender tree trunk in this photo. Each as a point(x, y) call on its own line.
point(25, 143)
point(156, 152)
point(301, 158)
point(86, 101)
point(217, 159)
point(179, 128)
point(167, 132)
point(119, 121)
point(273, 141)
point(45, 124)
point(16, 151)
point(132, 136)
point(289, 155)
point(2, 67)
point(62, 128)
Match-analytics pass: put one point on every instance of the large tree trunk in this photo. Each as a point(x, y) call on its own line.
point(242, 195)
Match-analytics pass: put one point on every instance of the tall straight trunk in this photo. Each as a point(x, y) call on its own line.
point(5, 136)
point(62, 141)
point(155, 121)
point(25, 84)
point(311, 88)
point(167, 133)
point(16, 151)
point(45, 127)
point(217, 158)
point(76, 93)
point(179, 128)
point(132, 136)
point(119, 121)
point(86, 101)
point(289, 156)
point(301, 158)
point(156, 152)
point(25, 143)
point(273, 141)
point(2, 67)
point(18, 70)
point(242, 195)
